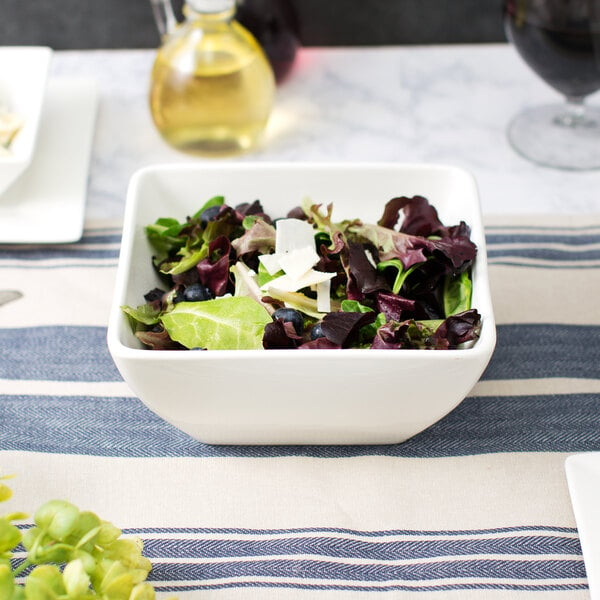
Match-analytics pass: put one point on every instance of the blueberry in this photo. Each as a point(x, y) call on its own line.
point(196, 293)
point(317, 331)
point(210, 214)
point(289, 315)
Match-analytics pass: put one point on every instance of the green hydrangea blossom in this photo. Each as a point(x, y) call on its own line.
point(71, 555)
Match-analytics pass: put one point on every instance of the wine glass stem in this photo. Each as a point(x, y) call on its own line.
point(574, 114)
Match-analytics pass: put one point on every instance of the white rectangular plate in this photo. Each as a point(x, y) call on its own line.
point(583, 478)
point(46, 205)
point(23, 79)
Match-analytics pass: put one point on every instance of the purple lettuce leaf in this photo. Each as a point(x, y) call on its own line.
point(410, 249)
point(259, 238)
point(341, 327)
point(412, 334)
point(224, 223)
point(246, 209)
point(419, 217)
point(363, 277)
point(334, 259)
point(280, 335)
point(408, 334)
point(158, 340)
point(297, 213)
point(458, 329)
point(456, 245)
point(394, 306)
point(213, 271)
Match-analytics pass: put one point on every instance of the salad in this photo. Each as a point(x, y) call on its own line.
point(233, 278)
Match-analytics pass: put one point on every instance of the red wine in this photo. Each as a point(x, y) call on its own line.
point(559, 40)
point(274, 24)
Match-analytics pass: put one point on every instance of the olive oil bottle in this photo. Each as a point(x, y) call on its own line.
point(212, 87)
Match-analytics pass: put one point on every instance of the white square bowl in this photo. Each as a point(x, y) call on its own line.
point(285, 396)
point(23, 77)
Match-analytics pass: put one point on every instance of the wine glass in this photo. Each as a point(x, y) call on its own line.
point(275, 25)
point(560, 41)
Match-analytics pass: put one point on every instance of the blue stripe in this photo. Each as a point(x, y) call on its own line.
point(549, 254)
point(122, 427)
point(381, 533)
point(56, 267)
point(526, 570)
point(337, 547)
point(62, 266)
point(56, 353)
point(95, 237)
point(79, 353)
point(54, 253)
point(329, 574)
point(537, 530)
point(533, 229)
point(510, 261)
point(525, 351)
point(543, 238)
point(358, 587)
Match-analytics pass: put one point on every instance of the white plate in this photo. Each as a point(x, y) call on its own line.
point(23, 77)
point(47, 203)
point(583, 477)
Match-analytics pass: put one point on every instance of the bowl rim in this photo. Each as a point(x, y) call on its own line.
point(484, 345)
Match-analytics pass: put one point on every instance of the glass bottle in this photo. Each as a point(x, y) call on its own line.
point(212, 87)
point(275, 25)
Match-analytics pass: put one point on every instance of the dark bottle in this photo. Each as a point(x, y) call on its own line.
point(559, 40)
point(274, 24)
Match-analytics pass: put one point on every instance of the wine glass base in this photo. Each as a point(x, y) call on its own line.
point(549, 136)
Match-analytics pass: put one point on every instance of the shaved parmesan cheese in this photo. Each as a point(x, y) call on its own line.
point(294, 249)
point(289, 284)
point(295, 255)
point(298, 262)
point(246, 285)
point(293, 234)
point(270, 262)
point(324, 296)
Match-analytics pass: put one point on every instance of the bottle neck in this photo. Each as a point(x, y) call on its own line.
point(208, 17)
point(211, 9)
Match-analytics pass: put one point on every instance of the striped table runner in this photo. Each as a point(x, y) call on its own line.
point(475, 507)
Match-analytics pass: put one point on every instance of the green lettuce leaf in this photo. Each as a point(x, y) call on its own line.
point(146, 314)
point(214, 201)
point(367, 332)
point(401, 272)
point(458, 291)
point(231, 323)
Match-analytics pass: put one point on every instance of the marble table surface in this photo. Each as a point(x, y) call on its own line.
point(434, 104)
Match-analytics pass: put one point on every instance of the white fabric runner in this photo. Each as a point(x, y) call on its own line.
point(475, 507)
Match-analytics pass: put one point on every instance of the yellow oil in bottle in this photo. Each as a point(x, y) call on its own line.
point(212, 88)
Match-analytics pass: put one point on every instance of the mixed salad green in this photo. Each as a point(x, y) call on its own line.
point(233, 278)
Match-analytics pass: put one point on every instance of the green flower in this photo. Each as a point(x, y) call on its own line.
point(97, 563)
